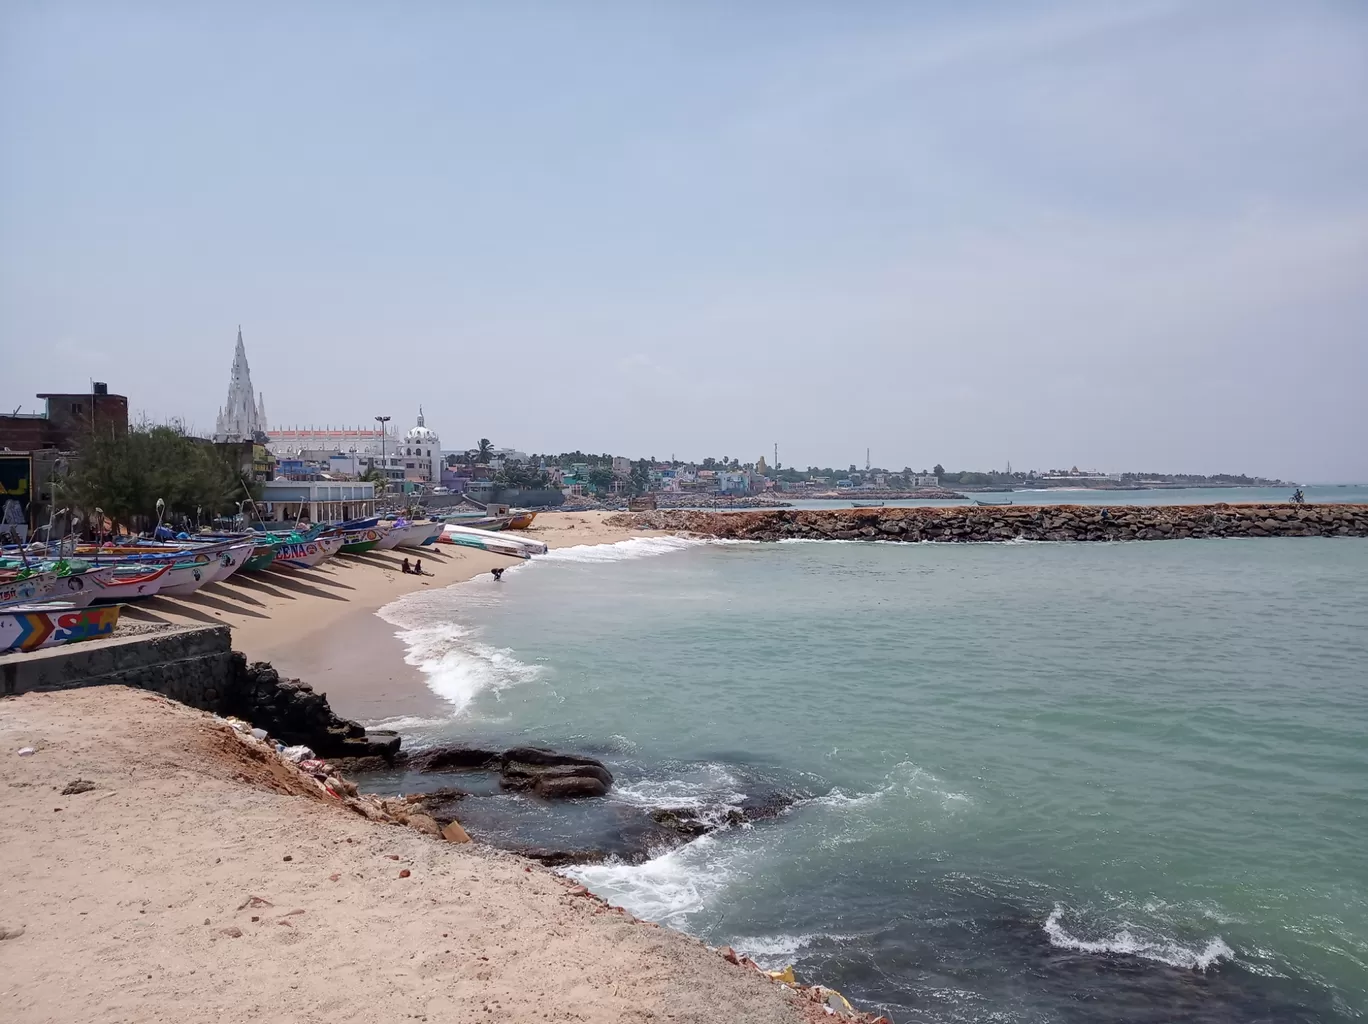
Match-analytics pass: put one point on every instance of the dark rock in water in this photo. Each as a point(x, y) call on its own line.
point(450, 759)
point(382, 742)
point(569, 787)
point(768, 805)
point(559, 858)
point(683, 821)
point(542, 756)
point(440, 804)
point(585, 777)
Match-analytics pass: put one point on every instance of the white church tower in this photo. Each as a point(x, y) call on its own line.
point(243, 417)
point(423, 451)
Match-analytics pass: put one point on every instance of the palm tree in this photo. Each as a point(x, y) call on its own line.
point(485, 452)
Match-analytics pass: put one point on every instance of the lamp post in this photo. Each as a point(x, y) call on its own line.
point(384, 462)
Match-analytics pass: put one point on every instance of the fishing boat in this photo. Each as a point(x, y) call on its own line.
point(522, 519)
point(27, 627)
point(305, 554)
point(867, 504)
point(499, 544)
point(131, 586)
point(16, 589)
point(359, 541)
point(263, 553)
point(421, 535)
point(992, 504)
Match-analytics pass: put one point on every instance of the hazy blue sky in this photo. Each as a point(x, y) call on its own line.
point(1128, 235)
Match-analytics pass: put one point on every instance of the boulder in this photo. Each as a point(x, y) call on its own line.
point(557, 780)
point(449, 759)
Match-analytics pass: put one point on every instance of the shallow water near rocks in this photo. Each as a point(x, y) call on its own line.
point(1037, 782)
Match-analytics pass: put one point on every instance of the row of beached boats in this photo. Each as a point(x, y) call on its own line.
point(84, 575)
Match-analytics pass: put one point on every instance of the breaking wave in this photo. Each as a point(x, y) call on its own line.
point(455, 663)
point(634, 547)
point(1166, 951)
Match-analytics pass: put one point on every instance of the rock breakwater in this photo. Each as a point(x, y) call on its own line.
point(1016, 522)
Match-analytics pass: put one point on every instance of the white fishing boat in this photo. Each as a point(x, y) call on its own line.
point(422, 535)
point(129, 586)
point(498, 543)
point(185, 578)
point(38, 587)
point(231, 560)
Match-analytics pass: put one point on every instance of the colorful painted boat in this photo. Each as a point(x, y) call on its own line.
point(131, 586)
point(263, 554)
point(29, 627)
point(305, 554)
point(357, 542)
point(522, 519)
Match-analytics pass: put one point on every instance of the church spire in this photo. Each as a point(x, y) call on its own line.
point(420, 417)
point(241, 418)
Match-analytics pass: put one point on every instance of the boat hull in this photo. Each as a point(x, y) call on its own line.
point(358, 542)
point(185, 578)
point(29, 627)
point(132, 588)
point(305, 554)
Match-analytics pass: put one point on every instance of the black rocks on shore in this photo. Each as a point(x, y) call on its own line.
point(293, 713)
point(545, 773)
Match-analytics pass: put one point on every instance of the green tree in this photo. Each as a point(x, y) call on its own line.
point(939, 470)
point(484, 452)
point(600, 479)
point(640, 481)
point(126, 475)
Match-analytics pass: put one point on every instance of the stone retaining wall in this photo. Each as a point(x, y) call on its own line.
point(196, 665)
point(1015, 522)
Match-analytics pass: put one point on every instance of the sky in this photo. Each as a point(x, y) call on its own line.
point(1127, 236)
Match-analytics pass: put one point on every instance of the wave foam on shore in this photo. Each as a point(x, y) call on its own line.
point(455, 663)
point(633, 547)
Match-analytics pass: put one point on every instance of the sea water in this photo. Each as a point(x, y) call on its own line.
point(1035, 782)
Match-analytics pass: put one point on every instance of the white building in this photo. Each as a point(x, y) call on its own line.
point(243, 416)
point(422, 453)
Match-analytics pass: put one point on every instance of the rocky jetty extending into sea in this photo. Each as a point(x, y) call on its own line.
point(1018, 522)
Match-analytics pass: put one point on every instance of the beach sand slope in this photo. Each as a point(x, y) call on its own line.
point(196, 882)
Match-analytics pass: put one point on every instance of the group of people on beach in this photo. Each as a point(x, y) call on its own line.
point(414, 570)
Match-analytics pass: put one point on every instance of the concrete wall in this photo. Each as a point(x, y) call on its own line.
point(197, 666)
point(191, 664)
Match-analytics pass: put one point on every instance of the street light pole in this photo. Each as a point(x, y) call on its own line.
point(384, 462)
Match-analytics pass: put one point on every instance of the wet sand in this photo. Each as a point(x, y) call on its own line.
point(320, 624)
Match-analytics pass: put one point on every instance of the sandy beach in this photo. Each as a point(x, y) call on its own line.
point(187, 878)
point(320, 625)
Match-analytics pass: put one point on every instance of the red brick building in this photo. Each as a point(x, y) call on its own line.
point(66, 420)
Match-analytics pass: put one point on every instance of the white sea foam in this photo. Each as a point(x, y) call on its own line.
point(712, 786)
point(905, 779)
point(634, 547)
point(459, 667)
point(1166, 951)
point(671, 887)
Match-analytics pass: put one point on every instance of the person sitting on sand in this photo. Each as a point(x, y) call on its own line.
point(418, 569)
point(406, 568)
point(496, 573)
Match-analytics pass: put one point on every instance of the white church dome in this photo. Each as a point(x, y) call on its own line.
point(421, 434)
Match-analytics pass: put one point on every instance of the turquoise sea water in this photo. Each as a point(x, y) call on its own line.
point(1036, 782)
